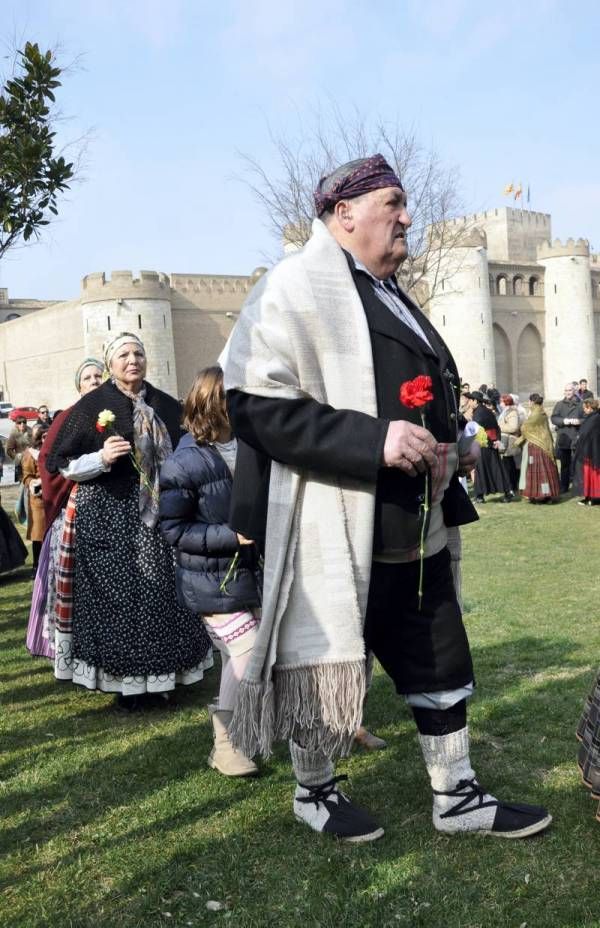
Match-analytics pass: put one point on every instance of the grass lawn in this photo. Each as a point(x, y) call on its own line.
point(117, 822)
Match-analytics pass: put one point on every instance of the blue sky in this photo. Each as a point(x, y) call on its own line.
point(168, 92)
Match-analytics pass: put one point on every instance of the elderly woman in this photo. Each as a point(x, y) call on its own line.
point(539, 474)
point(510, 429)
point(36, 520)
point(129, 634)
point(55, 493)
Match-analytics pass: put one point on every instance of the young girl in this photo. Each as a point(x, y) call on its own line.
point(216, 568)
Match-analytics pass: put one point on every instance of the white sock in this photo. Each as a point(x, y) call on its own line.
point(311, 768)
point(447, 761)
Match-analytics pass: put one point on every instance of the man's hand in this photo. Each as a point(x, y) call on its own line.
point(410, 448)
point(114, 447)
point(467, 462)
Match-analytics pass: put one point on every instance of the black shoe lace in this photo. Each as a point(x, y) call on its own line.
point(475, 791)
point(321, 792)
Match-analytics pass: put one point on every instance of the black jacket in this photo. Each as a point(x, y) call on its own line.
point(347, 444)
point(78, 433)
point(487, 420)
point(567, 435)
point(195, 490)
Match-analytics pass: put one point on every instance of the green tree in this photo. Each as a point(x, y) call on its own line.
point(31, 173)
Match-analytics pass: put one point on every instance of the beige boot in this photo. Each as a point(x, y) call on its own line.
point(367, 740)
point(224, 757)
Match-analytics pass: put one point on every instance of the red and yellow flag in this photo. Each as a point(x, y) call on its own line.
point(519, 191)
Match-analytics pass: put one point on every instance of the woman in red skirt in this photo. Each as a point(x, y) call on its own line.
point(539, 474)
point(587, 456)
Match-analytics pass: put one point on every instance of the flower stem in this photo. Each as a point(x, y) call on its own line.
point(230, 572)
point(424, 511)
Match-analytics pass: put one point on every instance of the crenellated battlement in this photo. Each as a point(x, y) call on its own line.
point(448, 236)
point(215, 283)
point(122, 285)
point(571, 248)
point(527, 216)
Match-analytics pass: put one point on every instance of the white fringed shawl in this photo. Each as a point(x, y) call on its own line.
point(303, 332)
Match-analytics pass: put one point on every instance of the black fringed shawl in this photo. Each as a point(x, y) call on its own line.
point(78, 434)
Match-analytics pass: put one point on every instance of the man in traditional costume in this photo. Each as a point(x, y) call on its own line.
point(358, 505)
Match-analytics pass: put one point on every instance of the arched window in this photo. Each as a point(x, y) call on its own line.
point(534, 286)
point(501, 284)
point(518, 286)
point(492, 285)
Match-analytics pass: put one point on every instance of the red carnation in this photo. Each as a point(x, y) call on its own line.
point(100, 428)
point(416, 393)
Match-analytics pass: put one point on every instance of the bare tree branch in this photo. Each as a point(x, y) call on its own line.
point(332, 138)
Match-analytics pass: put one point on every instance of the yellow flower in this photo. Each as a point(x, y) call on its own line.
point(106, 418)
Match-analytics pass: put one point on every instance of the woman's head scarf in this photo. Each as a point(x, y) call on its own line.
point(112, 345)
point(87, 362)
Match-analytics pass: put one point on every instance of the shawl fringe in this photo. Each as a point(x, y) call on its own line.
point(322, 703)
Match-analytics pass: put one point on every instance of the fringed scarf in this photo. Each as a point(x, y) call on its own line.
point(152, 447)
point(537, 431)
point(303, 332)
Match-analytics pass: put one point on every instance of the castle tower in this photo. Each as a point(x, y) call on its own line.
point(570, 351)
point(141, 305)
point(461, 306)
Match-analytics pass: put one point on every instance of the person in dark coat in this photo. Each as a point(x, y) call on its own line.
point(582, 392)
point(313, 371)
point(586, 459)
point(216, 569)
point(490, 476)
point(567, 416)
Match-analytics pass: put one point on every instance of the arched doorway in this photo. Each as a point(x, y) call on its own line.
point(530, 363)
point(503, 359)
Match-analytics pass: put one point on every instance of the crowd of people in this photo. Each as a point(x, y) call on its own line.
point(300, 516)
point(525, 452)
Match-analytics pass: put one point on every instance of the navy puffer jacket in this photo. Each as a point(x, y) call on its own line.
point(195, 491)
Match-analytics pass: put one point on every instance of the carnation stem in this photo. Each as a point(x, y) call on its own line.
point(424, 511)
point(230, 572)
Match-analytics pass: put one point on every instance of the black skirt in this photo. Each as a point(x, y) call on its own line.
point(423, 651)
point(126, 617)
point(490, 476)
point(13, 552)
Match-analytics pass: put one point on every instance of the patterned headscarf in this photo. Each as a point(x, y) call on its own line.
point(352, 180)
point(87, 362)
point(113, 344)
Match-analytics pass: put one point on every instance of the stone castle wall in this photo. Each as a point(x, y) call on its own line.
point(184, 322)
point(40, 353)
point(524, 322)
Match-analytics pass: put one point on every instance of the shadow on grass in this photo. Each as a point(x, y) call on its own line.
point(237, 841)
point(41, 667)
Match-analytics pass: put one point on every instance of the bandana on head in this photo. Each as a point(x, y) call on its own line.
point(361, 177)
point(113, 344)
point(87, 362)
